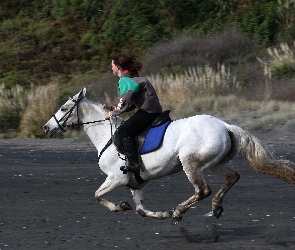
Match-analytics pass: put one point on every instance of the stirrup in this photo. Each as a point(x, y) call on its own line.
point(124, 169)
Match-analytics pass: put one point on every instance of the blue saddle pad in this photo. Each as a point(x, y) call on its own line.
point(154, 138)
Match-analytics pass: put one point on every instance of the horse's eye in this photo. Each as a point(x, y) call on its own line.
point(63, 109)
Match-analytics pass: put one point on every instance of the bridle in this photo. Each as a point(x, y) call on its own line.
point(62, 121)
point(62, 124)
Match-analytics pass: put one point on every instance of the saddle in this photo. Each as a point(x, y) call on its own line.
point(151, 138)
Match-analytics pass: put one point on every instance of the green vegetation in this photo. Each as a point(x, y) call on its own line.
point(194, 48)
point(42, 40)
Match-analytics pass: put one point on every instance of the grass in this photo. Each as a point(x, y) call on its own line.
point(199, 81)
point(281, 61)
point(42, 105)
point(251, 115)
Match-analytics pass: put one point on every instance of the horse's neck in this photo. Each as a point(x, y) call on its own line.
point(99, 132)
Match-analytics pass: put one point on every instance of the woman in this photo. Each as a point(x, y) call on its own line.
point(135, 92)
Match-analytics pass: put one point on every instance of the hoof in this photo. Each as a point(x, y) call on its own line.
point(218, 212)
point(125, 205)
point(176, 220)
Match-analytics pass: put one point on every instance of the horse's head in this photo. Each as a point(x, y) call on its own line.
point(65, 116)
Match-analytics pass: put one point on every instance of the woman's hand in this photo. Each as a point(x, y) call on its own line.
point(109, 107)
point(105, 106)
point(107, 115)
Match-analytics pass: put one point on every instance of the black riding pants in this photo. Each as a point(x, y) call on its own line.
point(136, 124)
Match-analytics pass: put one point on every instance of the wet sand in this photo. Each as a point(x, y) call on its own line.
point(47, 202)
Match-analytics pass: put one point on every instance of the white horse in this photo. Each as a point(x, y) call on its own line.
point(193, 144)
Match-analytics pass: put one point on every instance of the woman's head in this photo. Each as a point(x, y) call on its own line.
point(121, 62)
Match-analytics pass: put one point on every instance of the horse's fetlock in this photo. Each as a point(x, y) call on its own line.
point(180, 208)
point(207, 192)
point(98, 198)
point(170, 211)
point(216, 202)
point(141, 212)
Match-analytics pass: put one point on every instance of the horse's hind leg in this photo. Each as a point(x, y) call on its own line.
point(202, 190)
point(231, 178)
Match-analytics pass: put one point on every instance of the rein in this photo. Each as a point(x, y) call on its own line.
point(79, 124)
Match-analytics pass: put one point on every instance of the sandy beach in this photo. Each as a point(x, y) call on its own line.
point(47, 202)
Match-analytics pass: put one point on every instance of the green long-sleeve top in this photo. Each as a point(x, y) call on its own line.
point(137, 92)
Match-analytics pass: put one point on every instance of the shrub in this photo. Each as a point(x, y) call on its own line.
point(283, 90)
point(282, 60)
point(13, 102)
point(43, 103)
point(16, 78)
point(9, 119)
point(198, 50)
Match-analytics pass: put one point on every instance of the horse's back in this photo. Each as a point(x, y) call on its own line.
point(203, 127)
point(201, 135)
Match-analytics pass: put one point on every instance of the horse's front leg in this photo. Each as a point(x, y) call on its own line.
point(111, 183)
point(138, 197)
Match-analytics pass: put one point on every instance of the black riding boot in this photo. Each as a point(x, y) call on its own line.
point(130, 149)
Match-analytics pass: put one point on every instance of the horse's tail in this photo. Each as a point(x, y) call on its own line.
point(256, 155)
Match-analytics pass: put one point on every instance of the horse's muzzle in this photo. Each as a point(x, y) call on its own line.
point(51, 133)
point(46, 129)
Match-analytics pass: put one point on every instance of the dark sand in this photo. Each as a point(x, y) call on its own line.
point(47, 202)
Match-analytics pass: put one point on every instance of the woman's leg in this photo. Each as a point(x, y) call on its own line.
point(136, 124)
point(127, 132)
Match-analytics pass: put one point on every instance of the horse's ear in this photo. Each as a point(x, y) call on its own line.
point(82, 93)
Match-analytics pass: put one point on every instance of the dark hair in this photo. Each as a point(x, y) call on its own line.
point(128, 62)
